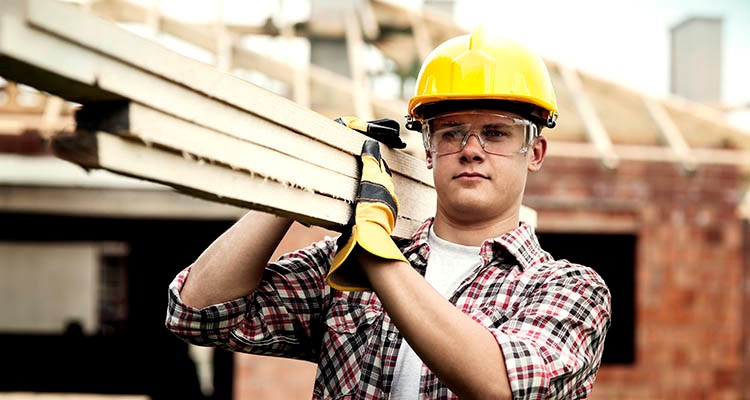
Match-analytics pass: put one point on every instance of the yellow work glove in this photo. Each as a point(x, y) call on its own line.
point(375, 211)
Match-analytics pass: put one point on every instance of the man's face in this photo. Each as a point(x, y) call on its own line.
point(472, 184)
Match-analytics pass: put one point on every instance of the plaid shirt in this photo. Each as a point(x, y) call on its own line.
point(549, 318)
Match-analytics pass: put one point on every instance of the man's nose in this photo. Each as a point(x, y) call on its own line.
point(477, 143)
point(473, 145)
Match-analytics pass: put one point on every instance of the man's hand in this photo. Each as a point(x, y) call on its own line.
point(375, 212)
point(384, 130)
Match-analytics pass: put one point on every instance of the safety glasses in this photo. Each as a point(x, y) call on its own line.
point(498, 134)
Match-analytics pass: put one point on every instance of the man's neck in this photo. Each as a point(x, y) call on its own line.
point(472, 233)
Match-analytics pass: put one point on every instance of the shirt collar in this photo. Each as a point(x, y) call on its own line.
point(420, 237)
point(520, 242)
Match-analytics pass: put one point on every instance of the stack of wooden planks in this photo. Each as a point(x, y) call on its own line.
point(153, 114)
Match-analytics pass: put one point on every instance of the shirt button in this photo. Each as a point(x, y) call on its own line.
point(392, 336)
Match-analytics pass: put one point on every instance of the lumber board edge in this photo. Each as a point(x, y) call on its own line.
point(116, 154)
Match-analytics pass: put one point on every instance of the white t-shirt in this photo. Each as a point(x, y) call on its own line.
point(448, 265)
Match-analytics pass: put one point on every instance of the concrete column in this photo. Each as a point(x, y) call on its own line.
point(696, 52)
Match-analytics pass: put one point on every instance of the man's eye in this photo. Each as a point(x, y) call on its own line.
point(495, 134)
point(452, 133)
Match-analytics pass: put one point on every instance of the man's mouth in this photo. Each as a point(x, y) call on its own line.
point(470, 175)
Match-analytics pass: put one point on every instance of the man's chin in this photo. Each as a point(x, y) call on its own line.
point(474, 207)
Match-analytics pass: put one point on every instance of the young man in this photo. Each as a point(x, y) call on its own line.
point(469, 307)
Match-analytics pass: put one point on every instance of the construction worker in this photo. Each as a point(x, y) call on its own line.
point(469, 307)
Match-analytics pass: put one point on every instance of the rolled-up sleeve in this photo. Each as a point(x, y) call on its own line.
point(279, 318)
point(552, 343)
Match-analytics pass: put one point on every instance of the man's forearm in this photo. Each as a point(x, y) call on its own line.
point(232, 265)
point(462, 353)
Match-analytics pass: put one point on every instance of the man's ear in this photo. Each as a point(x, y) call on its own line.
point(538, 151)
point(428, 158)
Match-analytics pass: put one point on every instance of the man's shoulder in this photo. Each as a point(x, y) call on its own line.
point(565, 272)
point(318, 251)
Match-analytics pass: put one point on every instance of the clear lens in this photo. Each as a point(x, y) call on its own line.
point(497, 134)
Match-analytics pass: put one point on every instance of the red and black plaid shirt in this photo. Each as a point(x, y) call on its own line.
point(549, 318)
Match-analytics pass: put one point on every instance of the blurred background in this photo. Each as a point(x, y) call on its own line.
point(647, 182)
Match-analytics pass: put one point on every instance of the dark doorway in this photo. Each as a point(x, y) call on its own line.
point(138, 357)
point(613, 257)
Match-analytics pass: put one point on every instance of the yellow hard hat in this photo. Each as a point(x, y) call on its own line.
point(484, 67)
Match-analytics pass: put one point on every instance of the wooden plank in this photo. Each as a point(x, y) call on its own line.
point(97, 73)
point(18, 124)
point(300, 72)
point(91, 74)
point(225, 41)
point(369, 20)
point(594, 127)
point(158, 129)
point(739, 158)
point(174, 84)
point(204, 180)
point(52, 114)
point(153, 16)
point(193, 93)
point(304, 169)
point(355, 48)
point(119, 44)
point(421, 34)
point(210, 181)
point(101, 72)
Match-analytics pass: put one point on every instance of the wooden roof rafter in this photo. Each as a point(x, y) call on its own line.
point(49, 114)
point(355, 47)
point(706, 156)
point(594, 127)
point(671, 134)
point(422, 39)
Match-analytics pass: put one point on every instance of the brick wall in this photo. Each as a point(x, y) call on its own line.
point(689, 272)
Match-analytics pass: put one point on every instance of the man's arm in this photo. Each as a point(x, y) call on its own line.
point(232, 265)
point(462, 353)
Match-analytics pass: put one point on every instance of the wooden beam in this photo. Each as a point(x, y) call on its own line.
point(176, 121)
point(369, 21)
point(292, 162)
point(300, 72)
point(289, 158)
point(52, 114)
point(224, 41)
point(421, 34)
point(595, 130)
point(17, 124)
point(739, 158)
point(165, 81)
point(355, 47)
point(187, 97)
point(202, 179)
point(153, 16)
point(185, 82)
point(671, 134)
